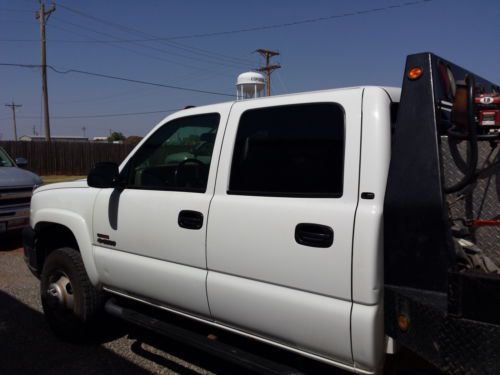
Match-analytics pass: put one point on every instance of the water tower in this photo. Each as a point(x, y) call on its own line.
point(250, 85)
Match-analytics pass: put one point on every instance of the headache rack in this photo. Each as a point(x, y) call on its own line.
point(441, 217)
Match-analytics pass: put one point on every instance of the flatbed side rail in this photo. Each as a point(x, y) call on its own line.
point(451, 316)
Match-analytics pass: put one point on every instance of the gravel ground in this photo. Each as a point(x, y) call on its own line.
point(27, 346)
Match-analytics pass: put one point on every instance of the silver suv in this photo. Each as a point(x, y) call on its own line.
point(16, 187)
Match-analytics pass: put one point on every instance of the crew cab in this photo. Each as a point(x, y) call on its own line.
point(264, 217)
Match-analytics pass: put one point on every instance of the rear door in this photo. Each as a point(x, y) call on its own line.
point(281, 220)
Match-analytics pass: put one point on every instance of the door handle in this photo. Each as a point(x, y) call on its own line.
point(314, 235)
point(190, 219)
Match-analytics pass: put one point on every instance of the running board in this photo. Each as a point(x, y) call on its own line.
point(192, 339)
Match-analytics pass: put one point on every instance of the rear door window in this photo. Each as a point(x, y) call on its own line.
point(292, 150)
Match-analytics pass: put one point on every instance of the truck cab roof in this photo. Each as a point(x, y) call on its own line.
point(394, 94)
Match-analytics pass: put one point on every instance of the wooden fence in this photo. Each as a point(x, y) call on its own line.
point(65, 158)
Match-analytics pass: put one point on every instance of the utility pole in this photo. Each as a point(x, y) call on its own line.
point(84, 130)
point(42, 16)
point(13, 106)
point(269, 68)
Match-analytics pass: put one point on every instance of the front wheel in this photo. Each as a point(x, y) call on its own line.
point(70, 302)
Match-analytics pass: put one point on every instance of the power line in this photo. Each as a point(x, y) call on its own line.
point(219, 58)
point(282, 82)
point(208, 52)
point(140, 53)
point(170, 42)
point(137, 81)
point(125, 114)
point(150, 37)
point(259, 28)
point(235, 31)
point(132, 93)
point(300, 22)
point(68, 71)
point(163, 51)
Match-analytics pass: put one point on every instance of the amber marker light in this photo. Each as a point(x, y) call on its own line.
point(403, 322)
point(415, 73)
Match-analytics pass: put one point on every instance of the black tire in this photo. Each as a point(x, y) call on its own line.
point(77, 322)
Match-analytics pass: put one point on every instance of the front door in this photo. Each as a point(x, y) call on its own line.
point(150, 236)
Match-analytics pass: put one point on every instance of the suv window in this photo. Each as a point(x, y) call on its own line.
point(293, 150)
point(176, 157)
point(5, 160)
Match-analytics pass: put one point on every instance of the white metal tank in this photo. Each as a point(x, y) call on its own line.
point(250, 85)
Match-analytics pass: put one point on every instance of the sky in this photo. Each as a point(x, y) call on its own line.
point(196, 45)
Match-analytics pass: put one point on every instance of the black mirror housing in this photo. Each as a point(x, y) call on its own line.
point(21, 162)
point(104, 175)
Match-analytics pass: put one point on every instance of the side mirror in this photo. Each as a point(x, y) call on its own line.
point(21, 162)
point(104, 175)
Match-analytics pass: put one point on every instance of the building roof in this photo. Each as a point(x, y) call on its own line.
point(53, 137)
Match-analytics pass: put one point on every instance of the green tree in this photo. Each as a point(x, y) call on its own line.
point(116, 136)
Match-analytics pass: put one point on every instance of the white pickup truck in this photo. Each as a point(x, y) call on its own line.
point(264, 217)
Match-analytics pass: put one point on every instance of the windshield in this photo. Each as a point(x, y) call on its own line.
point(5, 160)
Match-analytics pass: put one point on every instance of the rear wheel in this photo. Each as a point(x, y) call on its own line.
point(70, 302)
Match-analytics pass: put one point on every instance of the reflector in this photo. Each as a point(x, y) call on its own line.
point(403, 322)
point(415, 73)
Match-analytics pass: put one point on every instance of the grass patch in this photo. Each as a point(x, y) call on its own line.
point(53, 179)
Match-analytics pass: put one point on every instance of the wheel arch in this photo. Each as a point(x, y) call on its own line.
point(57, 228)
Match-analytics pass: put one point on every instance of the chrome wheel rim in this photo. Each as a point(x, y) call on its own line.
point(60, 291)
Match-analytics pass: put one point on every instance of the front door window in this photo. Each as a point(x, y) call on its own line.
point(176, 157)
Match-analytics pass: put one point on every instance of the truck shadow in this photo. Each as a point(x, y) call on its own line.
point(11, 240)
point(155, 348)
point(28, 347)
point(148, 345)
